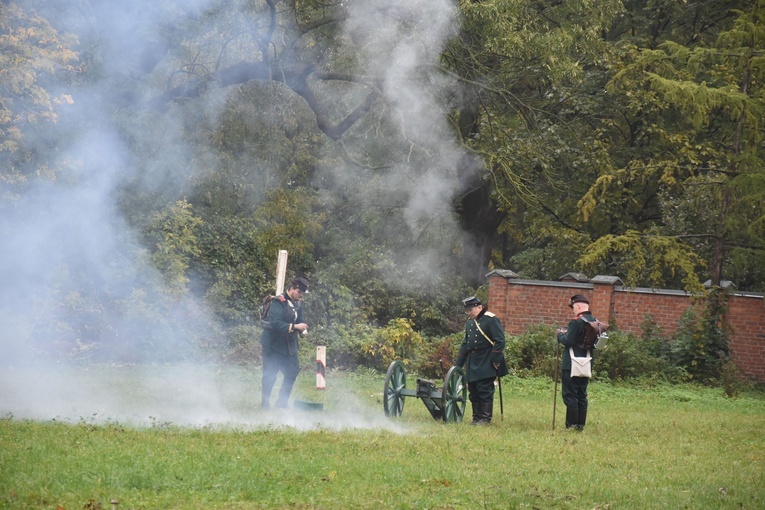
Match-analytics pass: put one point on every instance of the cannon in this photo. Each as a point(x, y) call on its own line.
point(446, 403)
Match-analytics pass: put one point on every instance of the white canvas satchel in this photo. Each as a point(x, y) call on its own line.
point(580, 367)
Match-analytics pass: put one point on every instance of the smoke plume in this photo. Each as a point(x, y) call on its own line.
point(67, 241)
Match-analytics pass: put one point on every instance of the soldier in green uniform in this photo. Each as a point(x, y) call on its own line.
point(280, 341)
point(483, 350)
point(574, 389)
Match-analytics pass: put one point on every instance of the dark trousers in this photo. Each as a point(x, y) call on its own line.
point(481, 391)
point(273, 363)
point(574, 390)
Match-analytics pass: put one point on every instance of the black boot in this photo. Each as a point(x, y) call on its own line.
point(572, 417)
point(482, 412)
point(582, 419)
point(488, 410)
point(476, 413)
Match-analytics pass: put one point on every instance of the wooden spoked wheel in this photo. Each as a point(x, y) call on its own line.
point(395, 382)
point(454, 395)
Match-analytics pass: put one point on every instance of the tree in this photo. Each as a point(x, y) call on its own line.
point(398, 173)
point(31, 52)
point(229, 104)
point(709, 105)
point(534, 114)
point(176, 243)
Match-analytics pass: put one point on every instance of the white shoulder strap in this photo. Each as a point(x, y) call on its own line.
point(484, 334)
point(571, 351)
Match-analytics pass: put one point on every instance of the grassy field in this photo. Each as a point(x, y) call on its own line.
point(666, 447)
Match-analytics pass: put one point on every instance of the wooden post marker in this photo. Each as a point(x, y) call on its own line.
point(321, 367)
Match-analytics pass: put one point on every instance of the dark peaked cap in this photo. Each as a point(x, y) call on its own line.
point(471, 302)
point(578, 298)
point(300, 283)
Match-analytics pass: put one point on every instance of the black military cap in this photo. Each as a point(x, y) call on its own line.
point(301, 284)
point(471, 302)
point(578, 298)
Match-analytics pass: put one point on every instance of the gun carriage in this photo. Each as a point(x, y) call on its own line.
point(446, 403)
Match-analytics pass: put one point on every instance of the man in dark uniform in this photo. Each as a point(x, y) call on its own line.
point(281, 328)
point(483, 350)
point(574, 389)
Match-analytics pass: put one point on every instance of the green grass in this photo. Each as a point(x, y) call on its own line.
point(664, 447)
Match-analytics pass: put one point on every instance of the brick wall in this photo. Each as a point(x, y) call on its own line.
point(521, 303)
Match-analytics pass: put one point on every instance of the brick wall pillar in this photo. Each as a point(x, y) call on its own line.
point(499, 290)
point(602, 301)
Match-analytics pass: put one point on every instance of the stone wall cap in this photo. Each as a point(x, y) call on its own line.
point(504, 273)
point(725, 284)
point(577, 277)
point(608, 280)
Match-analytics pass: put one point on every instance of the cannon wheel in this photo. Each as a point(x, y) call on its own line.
point(455, 395)
point(395, 381)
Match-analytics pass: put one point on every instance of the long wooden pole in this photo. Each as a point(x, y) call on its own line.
point(555, 389)
point(501, 405)
point(281, 271)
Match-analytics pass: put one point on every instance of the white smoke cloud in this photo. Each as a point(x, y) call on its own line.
point(66, 238)
point(401, 41)
point(184, 395)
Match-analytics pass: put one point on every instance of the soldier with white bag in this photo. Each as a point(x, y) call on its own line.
point(576, 364)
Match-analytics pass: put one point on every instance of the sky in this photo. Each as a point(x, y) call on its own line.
point(67, 241)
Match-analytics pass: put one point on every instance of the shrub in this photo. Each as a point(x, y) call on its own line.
point(243, 345)
point(345, 346)
point(532, 353)
point(398, 340)
point(536, 353)
point(700, 344)
point(653, 338)
point(733, 380)
point(627, 356)
point(434, 357)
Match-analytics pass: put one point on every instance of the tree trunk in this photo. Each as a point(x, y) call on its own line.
point(718, 256)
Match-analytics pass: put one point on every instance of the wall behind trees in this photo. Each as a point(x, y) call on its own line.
point(521, 303)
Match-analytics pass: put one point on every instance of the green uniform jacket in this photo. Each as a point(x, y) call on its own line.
point(478, 352)
point(572, 338)
point(279, 334)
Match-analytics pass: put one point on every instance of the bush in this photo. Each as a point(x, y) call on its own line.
point(374, 348)
point(533, 353)
point(698, 350)
point(435, 356)
point(345, 346)
point(733, 380)
point(700, 344)
point(653, 338)
point(398, 340)
point(536, 353)
point(243, 345)
point(627, 356)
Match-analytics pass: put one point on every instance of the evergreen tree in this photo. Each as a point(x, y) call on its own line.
point(704, 131)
